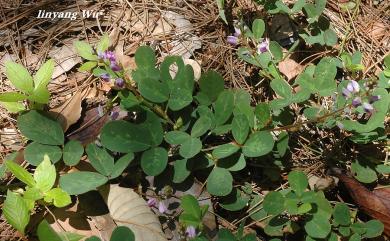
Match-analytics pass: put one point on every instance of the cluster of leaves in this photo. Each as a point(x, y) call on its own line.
point(34, 89)
point(294, 207)
point(19, 203)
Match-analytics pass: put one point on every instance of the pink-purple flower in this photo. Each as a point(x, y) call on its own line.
point(357, 101)
point(119, 82)
point(105, 77)
point(232, 40)
point(353, 86)
point(191, 232)
point(374, 98)
point(263, 46)
point(368, 107)
point(161, 207)
point(114, 66)
point(153, 202)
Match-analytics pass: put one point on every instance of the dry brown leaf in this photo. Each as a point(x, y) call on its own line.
point(65, 58)
point(69, 112)
point(290, 68)
point(128, 209)
point(375, 203)
point(377, 31)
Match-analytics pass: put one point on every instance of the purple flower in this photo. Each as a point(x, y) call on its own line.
point(368, 107)
point(374, 98)
point(101, 55)
point(263, 46)
point(161, 207)
point(115, 67)
point(114, 115)
point(119, 83)
point(356, 102)
point(353, 86)
point(152, 202)
point(105, 77)
point(232, 40)
point(346, 93)
point(191, 232)
point(110, 56)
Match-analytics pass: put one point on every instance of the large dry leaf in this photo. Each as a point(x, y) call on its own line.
point(65, 58)
point(130, 210)
point(290, 68)
point(375, 203)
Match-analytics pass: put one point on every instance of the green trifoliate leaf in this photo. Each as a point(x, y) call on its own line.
point(201, 126)
point(85, 50)
point(121, 164)
point(258, 144)
point(224, 107)
point(122, 233)
point(298, 182)
point(58, 197)
point(45, 175)
point(81, 182)
point(240, 128)
point(219, 182)
point(43, 75)
point(180, 171)
point(318, 227)
point(176, 137)
point(37, 127)
point(235, 201)
point(363, 171)
point(324, 76)
point(274, 203)
point(190, 206)
point(225, 150)
point(103, 44)
point(87, 66)
point(282, 88)
point(190, 147)
point(46, 232)
point(100, 159)
point(12, 97)
point(72, 153)
point(145, 57)
point(374, 229)
point(211, 84)
point(19, 77)
point(35, 152)
point(154, 161)
point(341, 214)
point(16, 211)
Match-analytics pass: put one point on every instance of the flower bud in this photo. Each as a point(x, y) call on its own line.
point(115, 67)
point(353, 86)
point(346, 93)
point(356, 102)
point(120, 83)
point(232, 40)
point(368, 107)
point(374, 98)
point(105, 77)
point(263, 46)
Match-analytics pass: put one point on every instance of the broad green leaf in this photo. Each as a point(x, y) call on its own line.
point(19, 76)
point(345, 231)
point(274, 203)
point(235, 201)
point(20, 173)
point(330, 37)
point(277, 51)
point(282, 88)
point(154, 90)
point(85, 50)
point(43, 75)
point(68, 236)
point(219, 182)
point(190, 147)
point(122, 233)
point(31, 195)
point(35, 152)
point(75, 183)
point(225, 150)
point(153, 128)
point(93, 238)
point(176, 137)
point(201, 126)
point(263, 114)
point(100, 159)
point(12, 97)
point(121, 164)
point(221, 10)
point(211, 83)
point(374, 229)
point(258, 28)
point(317, 227)
point(46, 232)
point(359, 228)
point(154, 161)
point(179, 98)
point(257, 212)
point(225, 235)
point(128, 99)
point(324, 76)
point(282, 143)
point(355, 237)
point(189, 220)
point(37, 127)
point(59, 197)
point(45, 175)
point(258, 144)
point(341, 214)
point(364, 172)
point(190, 206)
point(223, 107)
point(145, 57)
point(13, 107)
point(276, 225)
point(87, 66)
point(72, 153)
point(233, 163)
point(16, 211)
point(240, 128)
point(245, 54)
point(104, 43)
point(41, 96)
point(180, 171)
point(298, 182)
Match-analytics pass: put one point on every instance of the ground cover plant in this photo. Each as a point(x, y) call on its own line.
point(166, 124)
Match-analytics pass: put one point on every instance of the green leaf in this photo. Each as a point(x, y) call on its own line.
point(20, 173)
point(225, 235)
point(103, 44)
point(345, 231)
point(318, 227)
point(374, 229)
point(180, 171)
point(341, 214)
point(13, 107)
point(355, 237)
point(121, 165)
point(298, 182)
point(93, 238)
point(225, 150)
point(330, 37)
point(45, 175)
point(359, 228)
point(154, 90)
point(59, 197)
point(176, 137)
point(219, 182)
point(233, 163)
point(100, 159)
point(19, 76)
point(224, 107)
point(46, 232)
point(363, 172)
point(274, 203)
point(282, 88)
point(122, 233)
point(35, 152)
point(154, 161)
point(37, 127)
point(87, 66)
point(72, 153)
point(235, 201)
point(258, 144)
point(75, 183)
point(263, 114)
point(43, 75)
point(324, 76)
point(276, 50)
point(145, 57)
point(221, 11)
point(41, 96)
point(240, 128)
point(68, 236)
point(190, 206)
point(85, 50)
point(211, 84)
point(16, 211)
point(12, 97)
point(282, 143)
point(386, 61)
point(258, 28)
point(190, 147)
point(201, 126)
